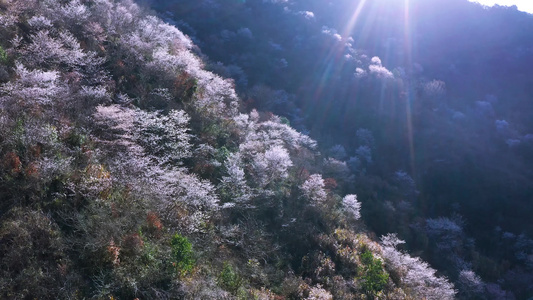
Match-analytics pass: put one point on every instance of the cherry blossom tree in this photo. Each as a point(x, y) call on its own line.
point(313, 189)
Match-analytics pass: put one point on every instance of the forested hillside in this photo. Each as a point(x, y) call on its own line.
point(130, 171)
point(422, 108)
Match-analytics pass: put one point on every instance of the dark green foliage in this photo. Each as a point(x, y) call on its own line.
point(229, 279)
point(285, 121)
point(3, 56)
point(222, 154)
point(375, 278)
point(182, 253)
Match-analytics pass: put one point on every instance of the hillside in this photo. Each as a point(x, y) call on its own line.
point(130, 171)
point(427, 102)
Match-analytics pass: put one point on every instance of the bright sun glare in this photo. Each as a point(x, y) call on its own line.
point(523, 5)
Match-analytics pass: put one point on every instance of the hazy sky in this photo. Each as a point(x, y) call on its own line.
point(523, 5)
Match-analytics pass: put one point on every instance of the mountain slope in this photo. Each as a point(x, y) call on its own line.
point(130, 172)
point(427, 102)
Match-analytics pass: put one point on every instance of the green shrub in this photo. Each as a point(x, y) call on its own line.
point(3, 56)
point(285, 121)
point(222, 154)
point(375, 278)
point(228, 279)
point(182, 254)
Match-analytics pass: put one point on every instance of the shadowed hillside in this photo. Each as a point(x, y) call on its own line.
point(428, 104)
point(131, 169)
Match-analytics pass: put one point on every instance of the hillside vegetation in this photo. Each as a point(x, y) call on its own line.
point(129, 171)
point(422, 108)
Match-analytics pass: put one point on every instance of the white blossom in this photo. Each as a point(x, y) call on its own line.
point(314, 189)
point(235, 181)
point(352, 206)
point(417, 277)
point(164, 136)
point(273, 164)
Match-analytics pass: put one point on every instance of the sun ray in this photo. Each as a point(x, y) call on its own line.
point(353, 20)
point(408, 46)
point(333, 57)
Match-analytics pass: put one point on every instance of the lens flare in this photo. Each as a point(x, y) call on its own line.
point(408, 46)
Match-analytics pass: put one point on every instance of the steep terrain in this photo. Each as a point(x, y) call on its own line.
point(427, 102)
point(129, 171)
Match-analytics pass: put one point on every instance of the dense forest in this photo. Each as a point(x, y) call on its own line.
point(428, 103)
point(265, 149)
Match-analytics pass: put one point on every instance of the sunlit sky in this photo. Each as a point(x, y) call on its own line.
point(523, 5)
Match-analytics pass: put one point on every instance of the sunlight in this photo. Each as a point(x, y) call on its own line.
point(351, 23)
point(370, 20)
point(409, 53)
point(332, 57)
